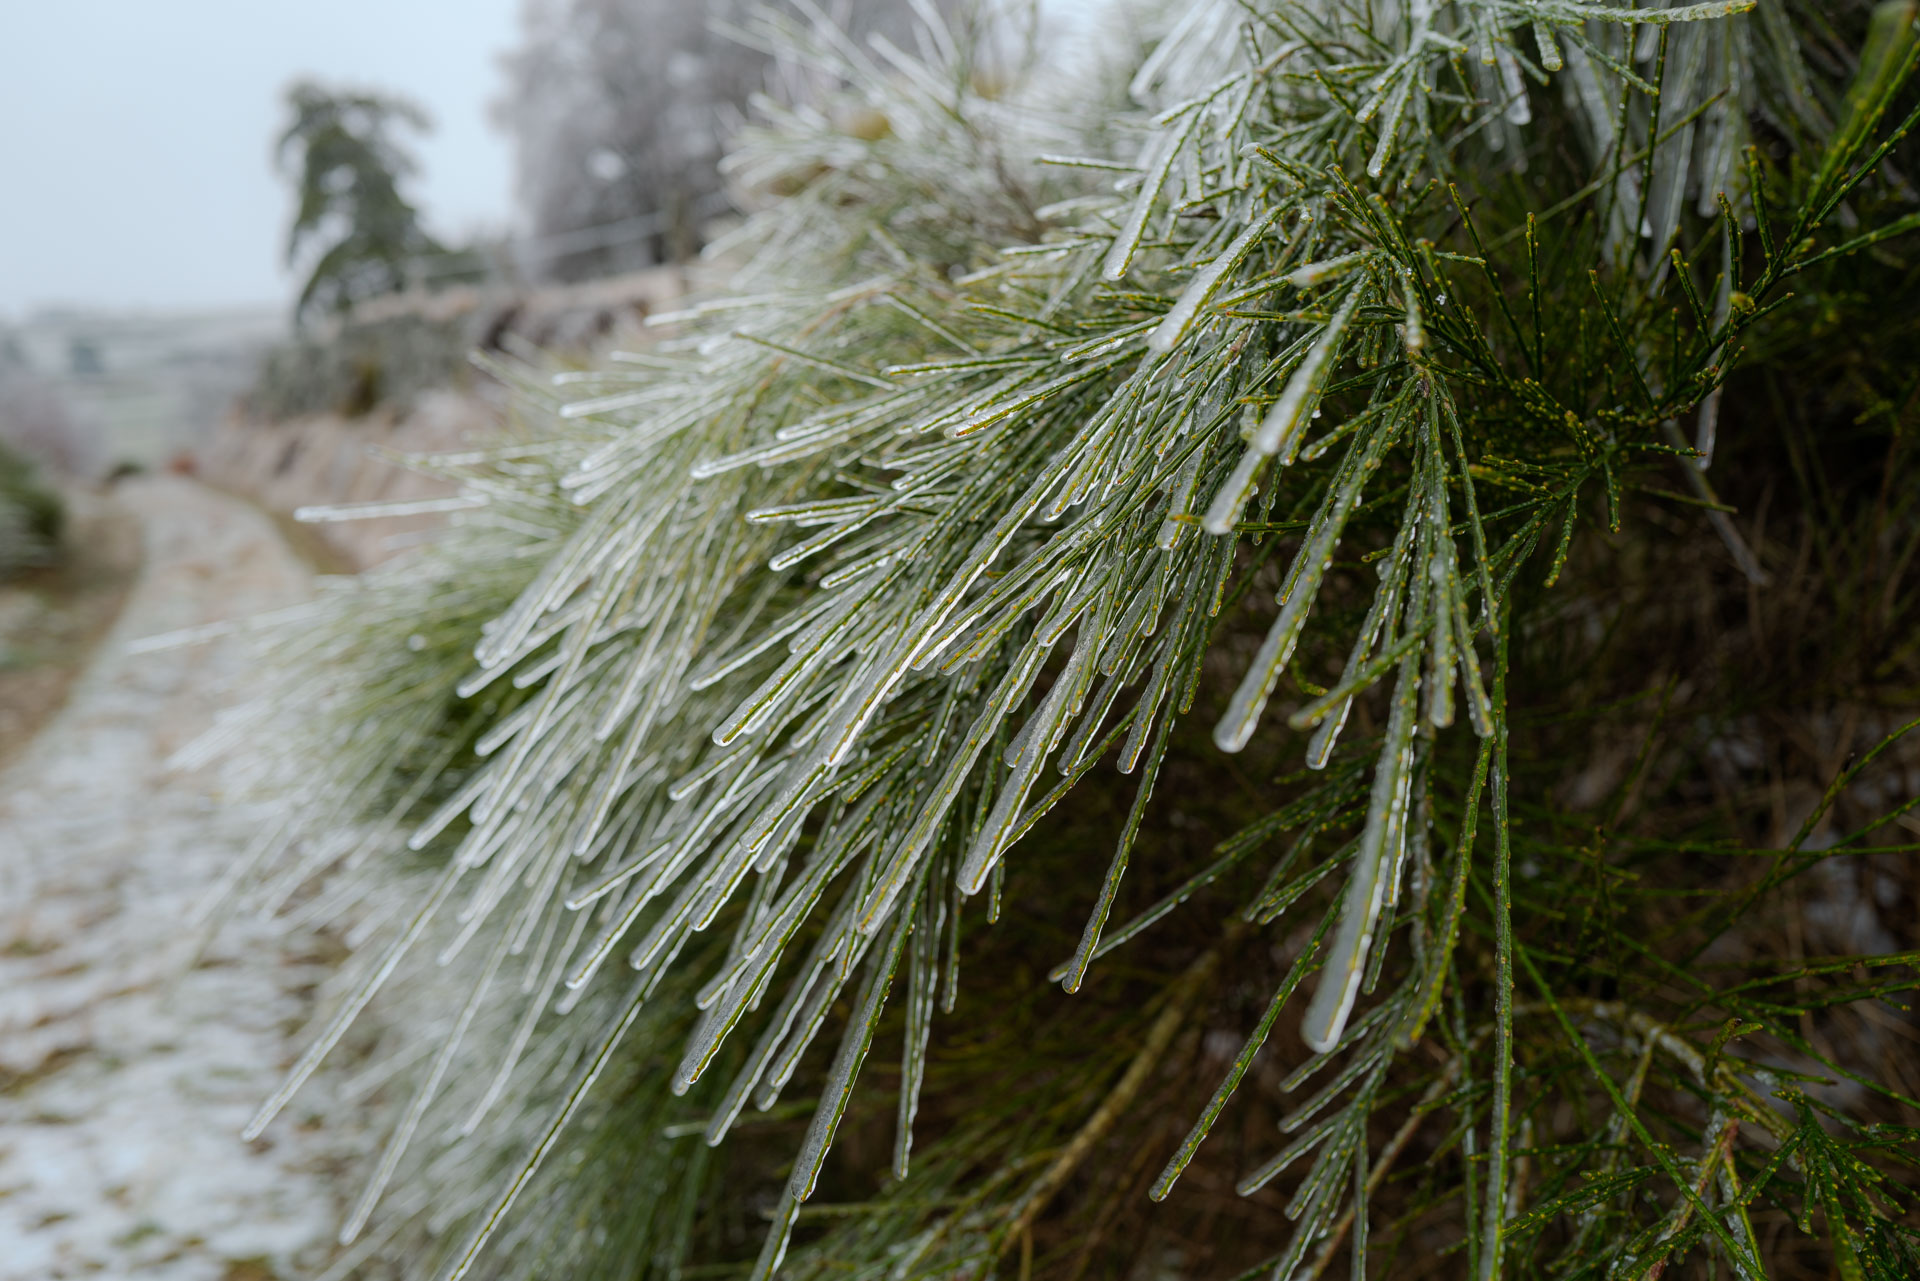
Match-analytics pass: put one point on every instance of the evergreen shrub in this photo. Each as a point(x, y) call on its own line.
point(1296, 662)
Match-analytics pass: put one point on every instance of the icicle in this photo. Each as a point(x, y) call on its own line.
point(1302, 585)
point(1157, 163)
point(1281, 428)
point(1367, 889)
point(1173, 327)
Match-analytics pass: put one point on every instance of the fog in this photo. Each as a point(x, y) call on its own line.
point(136, 137)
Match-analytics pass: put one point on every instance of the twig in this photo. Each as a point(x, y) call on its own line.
point(1744, 1096)
point(1180, 998)
point(1684, 1211)
point(1383, 1165)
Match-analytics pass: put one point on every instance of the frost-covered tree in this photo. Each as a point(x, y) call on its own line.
point(36, 421)
point(1277, 553)
point(619, 112)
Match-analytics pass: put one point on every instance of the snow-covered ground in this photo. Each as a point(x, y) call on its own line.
point(128, 1063)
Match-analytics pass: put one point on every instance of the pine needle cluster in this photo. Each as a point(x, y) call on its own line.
point(1207, 510)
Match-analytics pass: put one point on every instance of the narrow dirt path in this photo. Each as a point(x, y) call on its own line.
point(126, 1066)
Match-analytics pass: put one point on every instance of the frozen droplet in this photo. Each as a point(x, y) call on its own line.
point(416, 642)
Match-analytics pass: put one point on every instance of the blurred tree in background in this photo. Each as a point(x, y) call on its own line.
point(617, 109)
point(343, 154)
point(620, 111)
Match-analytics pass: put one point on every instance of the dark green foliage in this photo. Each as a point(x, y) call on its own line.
point(346, 162)
point(31, 514)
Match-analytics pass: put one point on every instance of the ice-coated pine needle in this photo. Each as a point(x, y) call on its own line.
point(744, 666)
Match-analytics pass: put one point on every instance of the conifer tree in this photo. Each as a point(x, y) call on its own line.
point(347, 195)
point(1244, 550)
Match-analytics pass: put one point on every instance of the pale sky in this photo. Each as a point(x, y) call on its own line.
point(136, 136)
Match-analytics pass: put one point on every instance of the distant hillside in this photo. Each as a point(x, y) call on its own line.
point(151, 383)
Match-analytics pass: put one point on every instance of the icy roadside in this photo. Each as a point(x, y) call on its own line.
point(124, 1081)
